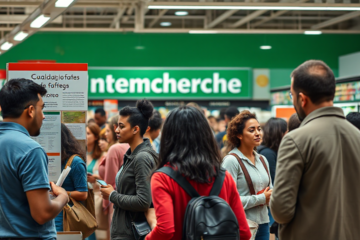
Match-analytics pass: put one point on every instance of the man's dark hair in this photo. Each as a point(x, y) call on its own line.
point(155, 121)
point(231, 112)
point(222, 113)
point(17, 94)
point(101, 111)
point(139, 115)
point(294, 122)
point(314, 79)
point(354, 119)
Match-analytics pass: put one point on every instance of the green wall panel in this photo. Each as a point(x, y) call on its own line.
point(187, 50)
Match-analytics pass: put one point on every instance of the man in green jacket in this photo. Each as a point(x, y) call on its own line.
point(315, 194)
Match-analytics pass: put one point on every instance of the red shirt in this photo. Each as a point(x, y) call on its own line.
point(170, 202)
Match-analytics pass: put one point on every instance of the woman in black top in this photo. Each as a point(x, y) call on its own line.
point(132, 197)
point(273, 132)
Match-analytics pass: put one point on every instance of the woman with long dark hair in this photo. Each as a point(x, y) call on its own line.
point(132, 197)
point(244, 134)
point(75, 183)
point(273, 132)
point(189, 147)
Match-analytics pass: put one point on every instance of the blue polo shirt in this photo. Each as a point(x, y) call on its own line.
point(23, 167)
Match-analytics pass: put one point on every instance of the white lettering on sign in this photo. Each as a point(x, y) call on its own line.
point(166, 84)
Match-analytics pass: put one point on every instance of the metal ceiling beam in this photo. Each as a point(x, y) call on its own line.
point(248, 18)
point(275, 15)
point(336, 20)
point(221, 18)
point(157, 18)
point(117, 18)
point(240, 5)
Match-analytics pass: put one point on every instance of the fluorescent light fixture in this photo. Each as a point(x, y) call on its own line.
point(202, 32)
point(265, 47)
point(40, 21)
point(63, 3)
point(6, 46)
point(20, 36)
point(181, 13)
point(224, 7)
point(139, 47)
point(165, 24)
point(312, 32)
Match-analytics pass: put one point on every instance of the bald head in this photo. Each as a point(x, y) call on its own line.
point(314, 79)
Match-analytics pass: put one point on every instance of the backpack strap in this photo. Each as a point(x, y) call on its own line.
point(69, 162)
point(263, 162)
point(246, 173)
point(216, 189)
point(184, 184)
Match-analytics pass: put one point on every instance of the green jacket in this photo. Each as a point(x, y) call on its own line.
point(133, 195)
point(315, 195)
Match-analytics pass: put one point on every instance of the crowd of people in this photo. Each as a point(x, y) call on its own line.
point(294, 178)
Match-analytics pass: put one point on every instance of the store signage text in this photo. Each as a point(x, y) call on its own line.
point(166, 84)
point(169, 83)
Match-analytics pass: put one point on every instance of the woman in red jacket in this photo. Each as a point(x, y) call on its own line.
point(189, 146)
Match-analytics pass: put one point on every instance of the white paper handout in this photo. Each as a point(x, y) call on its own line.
point(63, 176)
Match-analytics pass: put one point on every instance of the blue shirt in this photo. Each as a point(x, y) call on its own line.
point(23, 167)
point(75, 181)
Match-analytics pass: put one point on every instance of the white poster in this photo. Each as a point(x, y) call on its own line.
point(50, 140)
point(261, 84)
point(66, 90)
point(78, 130)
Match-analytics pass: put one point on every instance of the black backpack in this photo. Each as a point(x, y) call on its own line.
point(206, 217)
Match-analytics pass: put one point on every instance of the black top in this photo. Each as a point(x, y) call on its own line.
point(271, 156)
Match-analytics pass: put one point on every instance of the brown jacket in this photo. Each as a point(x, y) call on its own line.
point(316, 193)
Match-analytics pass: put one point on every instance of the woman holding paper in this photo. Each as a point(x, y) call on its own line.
point(75, 183)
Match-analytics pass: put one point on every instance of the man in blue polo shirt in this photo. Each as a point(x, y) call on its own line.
point(26, 210)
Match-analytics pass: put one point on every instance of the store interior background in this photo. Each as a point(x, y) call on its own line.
point(127, 49)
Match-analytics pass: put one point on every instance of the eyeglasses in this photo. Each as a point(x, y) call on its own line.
point(27, 106)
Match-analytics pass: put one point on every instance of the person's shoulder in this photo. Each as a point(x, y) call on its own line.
point(78, 160)
point(118, 147)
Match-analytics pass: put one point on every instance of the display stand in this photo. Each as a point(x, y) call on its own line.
point(69, 236)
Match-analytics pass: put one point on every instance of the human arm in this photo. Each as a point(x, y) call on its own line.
point(237, 207)
point(164, 209)
point(142, 200)
point(231, 164)
point(78, 178)
point(290, 167)
point(114, 161)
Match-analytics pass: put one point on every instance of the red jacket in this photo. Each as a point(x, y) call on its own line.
point(170, 202)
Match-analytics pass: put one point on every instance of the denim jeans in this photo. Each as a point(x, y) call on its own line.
point(263, 232)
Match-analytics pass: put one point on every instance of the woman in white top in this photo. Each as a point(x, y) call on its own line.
point(244, 134)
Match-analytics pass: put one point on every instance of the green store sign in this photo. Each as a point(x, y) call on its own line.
point(170, 83)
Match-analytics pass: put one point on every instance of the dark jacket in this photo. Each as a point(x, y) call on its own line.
point(133, 195)
point(271, 156)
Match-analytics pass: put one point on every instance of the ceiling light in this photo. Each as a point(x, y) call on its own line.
point(63, 3)
point(265, 47)
point(6, 46)
point(181, 13)
point(139, 47)
point(202, 32)
point(312, 32)
point(165, 24)
point(20, 36)
point(247, 7)
point(40, 21)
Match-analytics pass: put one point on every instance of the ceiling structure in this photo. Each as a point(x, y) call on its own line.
point(181, 16)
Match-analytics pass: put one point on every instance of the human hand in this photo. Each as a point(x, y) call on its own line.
point(91, 178)
point(106, 190)
point(267, 194)
point(57, 191)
